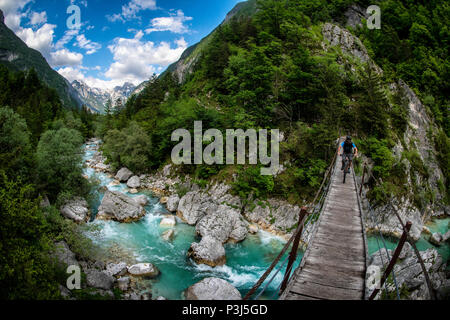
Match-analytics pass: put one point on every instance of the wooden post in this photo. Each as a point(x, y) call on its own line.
point(394, 258)
point(293, 253)
point(362, 180)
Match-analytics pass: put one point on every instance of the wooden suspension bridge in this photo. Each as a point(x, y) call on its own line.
point(335, 262)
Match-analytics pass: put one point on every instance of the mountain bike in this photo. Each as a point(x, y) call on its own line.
point(346, 166)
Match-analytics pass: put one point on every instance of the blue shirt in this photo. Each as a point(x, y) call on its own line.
point(342, 145)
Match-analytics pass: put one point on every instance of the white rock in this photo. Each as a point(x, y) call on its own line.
point(123, 283)
point(208, 251)
point(141, 199)
point(172, 203)
point(168, 221)
point(123, 174)
point(117, 206)
point(168, 235)
point(143, 269)
point(76, 209)
point(212, 289)
point(134, 182)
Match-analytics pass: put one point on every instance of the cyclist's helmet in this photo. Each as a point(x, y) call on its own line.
point(349, 138)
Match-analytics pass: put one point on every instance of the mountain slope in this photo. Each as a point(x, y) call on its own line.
point(16, 55)
point(96, 98)
point(185, 65)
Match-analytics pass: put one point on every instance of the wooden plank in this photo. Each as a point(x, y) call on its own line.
point(325, 292)
point(295, 296)
point(327, 253)
point(336, 202)
point(355, 246)
point(340, 227)
point(338, 240)
point(351, 283)
point(343, 219)
point(354, 277)
point(356, 266)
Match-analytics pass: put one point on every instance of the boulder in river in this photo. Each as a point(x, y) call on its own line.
point(446, 236)
point(134, 182)
point(168, 235)
point(123, 174)
point(117, 206)
point(99, 279)
point(208, 251)
point(141, 199)
point(143, 270)
point(436, 238)
point(212, 289)
point(168, 221)
point(224, 224)
point(76, 209)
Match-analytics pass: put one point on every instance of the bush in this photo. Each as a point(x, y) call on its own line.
point(250, 181)
point(129, 147)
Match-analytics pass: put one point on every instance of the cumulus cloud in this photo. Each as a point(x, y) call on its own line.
point(66, 38)
point(174, 23)
point(38, 18)
point(135, 59)
point(65, 57)
point(90, 46)
point(12, 11)
point(130, 10)
point(41, 39)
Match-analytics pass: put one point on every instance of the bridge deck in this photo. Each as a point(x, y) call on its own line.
point(334, 264)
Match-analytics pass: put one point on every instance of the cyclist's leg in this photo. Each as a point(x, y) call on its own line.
point(350, 161)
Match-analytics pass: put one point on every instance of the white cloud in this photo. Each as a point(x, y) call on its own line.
point(130, 10)
point(66, 38)
point(135, 59)
point(38, 18)
point(12, 11)
point(65, 57)
point(41, 39)
point(174, 23)
point(71, 74)
point(88, 45)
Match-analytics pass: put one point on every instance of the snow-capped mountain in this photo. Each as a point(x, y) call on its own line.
point(96, 98)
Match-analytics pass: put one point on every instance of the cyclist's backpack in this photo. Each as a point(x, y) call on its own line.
point(348, 147)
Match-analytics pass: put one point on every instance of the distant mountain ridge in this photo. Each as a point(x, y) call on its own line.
point(96, 98)
point(17, 56)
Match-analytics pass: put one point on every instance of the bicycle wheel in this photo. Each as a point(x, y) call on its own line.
point(345, 169)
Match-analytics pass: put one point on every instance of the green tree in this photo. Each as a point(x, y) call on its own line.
point(129, 147)
point(25, 269)
point(16, 157)
point(59, 162)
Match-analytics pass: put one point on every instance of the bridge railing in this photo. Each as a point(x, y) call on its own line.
point(307, 216)
point(404, 238)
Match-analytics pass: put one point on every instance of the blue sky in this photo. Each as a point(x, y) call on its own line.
point(117, 41)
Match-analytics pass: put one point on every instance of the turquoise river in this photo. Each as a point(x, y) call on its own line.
point(245, 261)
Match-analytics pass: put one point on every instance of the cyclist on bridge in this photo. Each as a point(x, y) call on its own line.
point(349, 150)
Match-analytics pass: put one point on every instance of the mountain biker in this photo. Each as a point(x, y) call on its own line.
point(349, 150)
